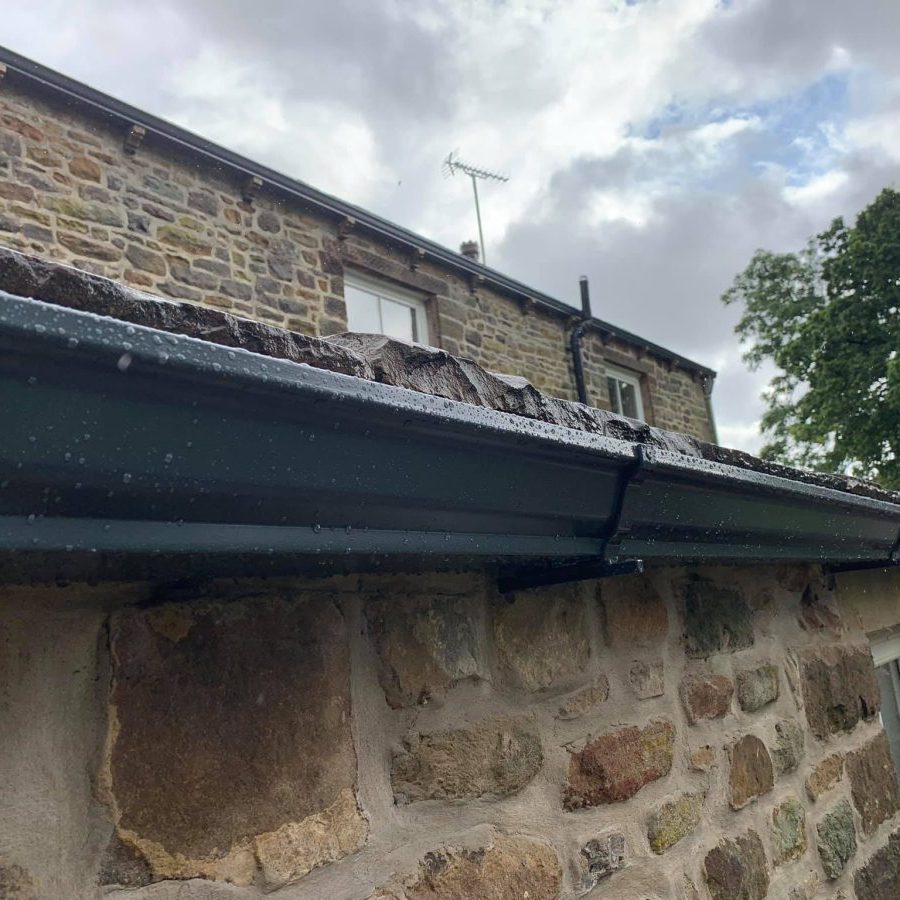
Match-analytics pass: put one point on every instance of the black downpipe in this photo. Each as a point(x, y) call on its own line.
point(575, 341)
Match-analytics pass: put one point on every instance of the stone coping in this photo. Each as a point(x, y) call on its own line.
point(378, 358)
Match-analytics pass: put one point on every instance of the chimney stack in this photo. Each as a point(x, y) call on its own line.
point(469, 249)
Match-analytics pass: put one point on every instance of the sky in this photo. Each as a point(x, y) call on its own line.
point(651, 145)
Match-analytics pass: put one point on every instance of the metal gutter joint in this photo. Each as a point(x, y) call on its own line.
point(603, 567)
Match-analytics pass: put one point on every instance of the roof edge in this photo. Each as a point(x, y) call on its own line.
point(109, 107)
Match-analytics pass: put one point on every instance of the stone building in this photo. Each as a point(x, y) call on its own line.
point(356, 619)
point(352, 617)
point(90, 181)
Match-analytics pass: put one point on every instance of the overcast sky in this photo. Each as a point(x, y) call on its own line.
point(652, 144)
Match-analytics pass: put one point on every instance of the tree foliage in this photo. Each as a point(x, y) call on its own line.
point(829, 318)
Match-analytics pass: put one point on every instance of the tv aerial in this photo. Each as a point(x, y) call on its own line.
point(452, 165)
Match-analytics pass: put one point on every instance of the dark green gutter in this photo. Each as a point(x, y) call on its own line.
point(119, 438)
point(168, 136)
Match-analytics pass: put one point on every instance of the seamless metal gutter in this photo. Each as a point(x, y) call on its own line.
point(170, 135)
point(123, 439)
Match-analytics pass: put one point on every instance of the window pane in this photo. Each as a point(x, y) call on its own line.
point(613, 395)
point(628, 392)
point(397, 320)
point(362, 311)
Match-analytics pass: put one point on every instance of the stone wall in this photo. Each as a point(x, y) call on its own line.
point(707, 733)
point(164, 222)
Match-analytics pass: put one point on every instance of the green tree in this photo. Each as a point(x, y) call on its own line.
point(829, 318)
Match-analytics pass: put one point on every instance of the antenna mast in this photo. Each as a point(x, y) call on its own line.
point(452, 165)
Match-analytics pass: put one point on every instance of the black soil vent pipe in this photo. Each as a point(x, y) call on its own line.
point(575, 341)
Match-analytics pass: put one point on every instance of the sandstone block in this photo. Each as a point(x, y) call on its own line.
point(511, 868)
point(674, 820)
point(237, 289)
point(101, 213)
point(195, 689)
point(493, 759)
point(836, 839)
point(268, 221)
point(788, 831)
point(789, 746)
point(138, 222)
point(702, 759)
point(824, 776)
point(45, 236)
point(26, 129)
point(10, 145)
point(616, 765)
point(819, 610)
point(737, 869)
point(43, 157)
point(183, 272)
point(158, 212)
point(751, 773)
point(11, 190)
point(217, 267)
point(86, 168)
point(706, 696)
point(203, 201)
point(16, 883)
point(296, 848)
point(184, 239)
point(541, 638)
point(716, 619)
point(879, 878)
point(142, 258)
point(757, 687)
point(84, 247)
point(122, 865)
point(873, 782)
point(583, 701)
point(839, 687)
point(634, 612)
point(647, 679)
point(424, 646)
point(600, 857)
point(164, 188)
point(794, 576)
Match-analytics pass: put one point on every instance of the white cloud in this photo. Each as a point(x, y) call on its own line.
point(741, 436)
point(817, 188)
point(328, 144)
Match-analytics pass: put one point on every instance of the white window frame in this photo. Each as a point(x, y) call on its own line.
point(885, 646)
point(628, 377)
point(395, 294)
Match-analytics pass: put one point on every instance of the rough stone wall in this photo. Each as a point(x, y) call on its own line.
point(689, 734)
point(167, 224)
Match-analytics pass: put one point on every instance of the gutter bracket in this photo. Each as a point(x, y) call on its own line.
point(416, 258)
point(250, 188)
point(133, 139)
point(345, 226)
point(603, 567)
